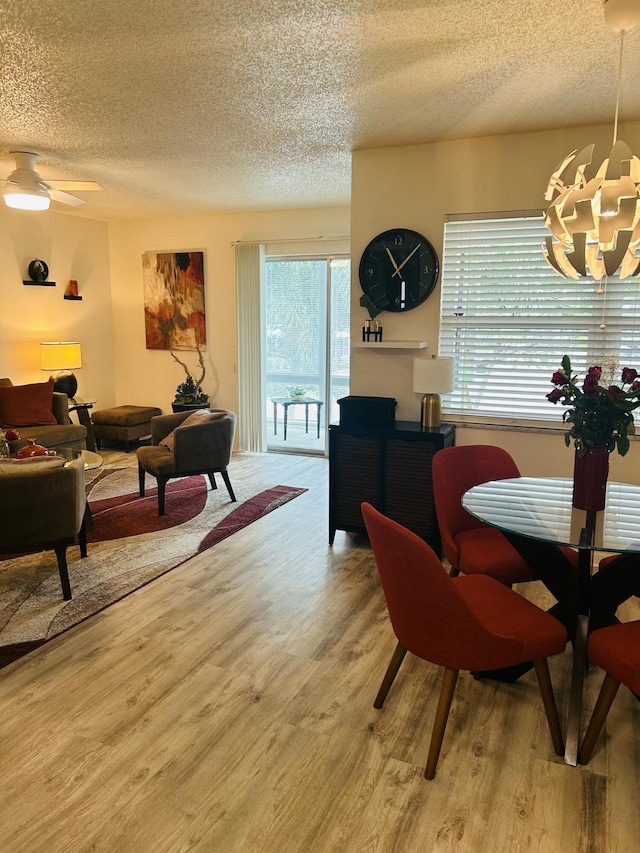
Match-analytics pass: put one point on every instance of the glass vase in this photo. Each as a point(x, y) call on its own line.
point(590, 474)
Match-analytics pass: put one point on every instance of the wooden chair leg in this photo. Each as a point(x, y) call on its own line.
point(549, 701)
point(390, 674)
point(212, 479)
point(162, 485)
point(227, 483)
point(606, 696)
point(449, 678)
point(141, 473)
point(61, 554)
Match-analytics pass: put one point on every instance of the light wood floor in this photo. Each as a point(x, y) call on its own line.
point(228, 707)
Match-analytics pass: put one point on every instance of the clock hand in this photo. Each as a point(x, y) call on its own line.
point(393, 261)
point(406, 259)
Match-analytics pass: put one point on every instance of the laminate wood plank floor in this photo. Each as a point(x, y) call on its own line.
point(227, 706)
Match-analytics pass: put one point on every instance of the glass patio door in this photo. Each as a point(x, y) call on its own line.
point(307, 349)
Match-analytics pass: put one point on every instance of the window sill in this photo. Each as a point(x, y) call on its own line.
point(502, 427)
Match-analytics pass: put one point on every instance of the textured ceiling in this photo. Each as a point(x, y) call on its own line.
point(202, 106)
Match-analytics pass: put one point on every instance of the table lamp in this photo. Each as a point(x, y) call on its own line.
point(59, 358)
point(432, 377)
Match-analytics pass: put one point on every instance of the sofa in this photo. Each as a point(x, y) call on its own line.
point(37, 411)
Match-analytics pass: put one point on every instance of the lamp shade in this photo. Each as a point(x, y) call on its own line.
point(60, 355)
point(433, 375)
point(26, 198)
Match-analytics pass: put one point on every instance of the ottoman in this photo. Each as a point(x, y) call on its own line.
point(123, 423)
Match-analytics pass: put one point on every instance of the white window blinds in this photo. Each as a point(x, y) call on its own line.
point(507, 319)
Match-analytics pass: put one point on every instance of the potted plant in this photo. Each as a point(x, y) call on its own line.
point(372, 326)
point(297, 392)
point(189, 394)
point(373, 308)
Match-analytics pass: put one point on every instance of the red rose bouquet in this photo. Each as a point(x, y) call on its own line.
point(598, 416)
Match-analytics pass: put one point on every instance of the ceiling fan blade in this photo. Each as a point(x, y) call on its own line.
point(74, 186)
point(65, 198)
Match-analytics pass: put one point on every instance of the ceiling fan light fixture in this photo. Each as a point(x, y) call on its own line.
point(24, 198)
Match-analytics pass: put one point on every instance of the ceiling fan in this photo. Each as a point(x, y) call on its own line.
point(25, 189)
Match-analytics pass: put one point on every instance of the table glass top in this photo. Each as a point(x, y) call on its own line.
point(540, 508)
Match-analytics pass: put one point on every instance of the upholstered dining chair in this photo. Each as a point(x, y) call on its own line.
point(617, 650)
point(43, 506)
point(617, 579)
point(470, 545)
point(188, 443)
point(469, 622)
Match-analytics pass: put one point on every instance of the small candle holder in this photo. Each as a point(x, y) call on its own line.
point(366, 330)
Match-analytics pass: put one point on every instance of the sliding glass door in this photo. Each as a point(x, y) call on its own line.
point(307, 349)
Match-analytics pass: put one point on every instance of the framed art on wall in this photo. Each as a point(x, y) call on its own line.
point(174, 304)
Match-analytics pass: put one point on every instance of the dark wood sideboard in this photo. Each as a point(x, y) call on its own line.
point(389, 468)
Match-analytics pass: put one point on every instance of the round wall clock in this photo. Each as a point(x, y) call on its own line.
point(399, 269)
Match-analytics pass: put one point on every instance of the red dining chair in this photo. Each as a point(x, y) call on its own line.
point(470, 545)
point(617, 579)
point(617, 650)
point(469, 622)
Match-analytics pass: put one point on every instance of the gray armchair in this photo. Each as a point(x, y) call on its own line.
point(179, 449)
point(43, 506)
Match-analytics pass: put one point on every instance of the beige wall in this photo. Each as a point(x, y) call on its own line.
point(150, 376)
point(415, 187)
point(73, 249)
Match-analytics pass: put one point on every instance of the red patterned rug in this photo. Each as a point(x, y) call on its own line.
point(129, 546)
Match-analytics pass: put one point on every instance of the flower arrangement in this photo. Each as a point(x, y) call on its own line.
point(7, 435)
point(599, 415)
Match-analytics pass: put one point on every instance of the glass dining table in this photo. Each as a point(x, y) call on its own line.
point(536, 516)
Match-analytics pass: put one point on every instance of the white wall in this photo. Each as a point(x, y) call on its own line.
point(150, 377)
point(73, 249)
point(415, 187)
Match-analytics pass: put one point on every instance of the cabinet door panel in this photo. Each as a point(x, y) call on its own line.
point(358, 464)
point(408, 497)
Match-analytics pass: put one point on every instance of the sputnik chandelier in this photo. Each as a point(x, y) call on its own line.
point(595, 222)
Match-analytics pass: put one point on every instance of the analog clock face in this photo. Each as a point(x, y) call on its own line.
point(399, 269)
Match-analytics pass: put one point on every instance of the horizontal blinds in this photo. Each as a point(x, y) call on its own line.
point(507, 319)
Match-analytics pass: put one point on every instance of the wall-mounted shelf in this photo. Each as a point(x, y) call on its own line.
point(389, 345)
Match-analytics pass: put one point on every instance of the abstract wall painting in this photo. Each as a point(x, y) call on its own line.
point(174, 309)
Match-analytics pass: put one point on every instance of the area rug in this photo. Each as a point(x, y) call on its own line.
point(129, 545)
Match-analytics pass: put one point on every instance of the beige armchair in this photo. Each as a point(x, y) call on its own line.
point(43, 507)
point(188, 443)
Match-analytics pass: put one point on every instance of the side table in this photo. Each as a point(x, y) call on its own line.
point(77, 404)
point(285, 402)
